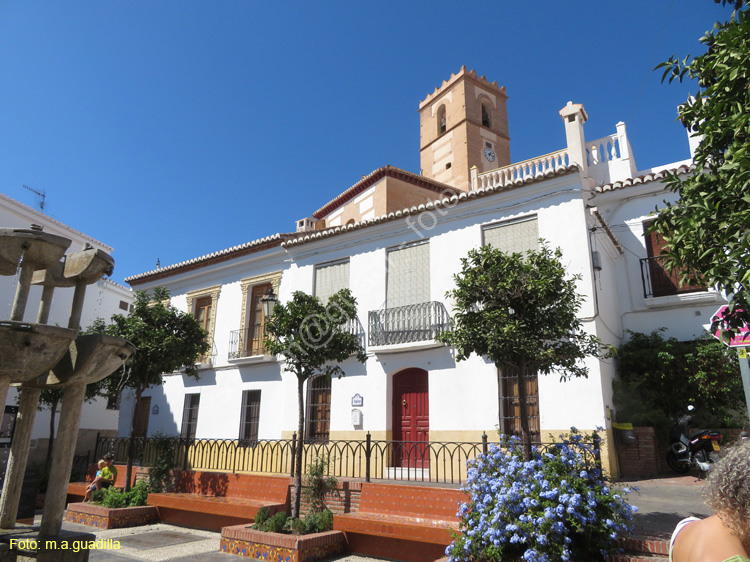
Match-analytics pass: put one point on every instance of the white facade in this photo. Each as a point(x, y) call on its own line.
point(587, 200)
point(103, 299)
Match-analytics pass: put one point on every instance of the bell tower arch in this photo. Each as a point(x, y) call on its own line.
point(463, 123)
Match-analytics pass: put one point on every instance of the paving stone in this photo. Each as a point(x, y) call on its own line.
point(157, 539)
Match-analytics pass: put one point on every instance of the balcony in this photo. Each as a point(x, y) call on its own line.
point(658, 281)
point(244, 348)
point(413, 326)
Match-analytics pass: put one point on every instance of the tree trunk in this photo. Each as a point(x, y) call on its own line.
point(131, 441)
point(499, 400)
point(298, 453)
point(524, 410)
point(53, 411)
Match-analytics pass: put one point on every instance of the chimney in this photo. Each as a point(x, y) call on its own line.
point(306, 225)
point(574, 116)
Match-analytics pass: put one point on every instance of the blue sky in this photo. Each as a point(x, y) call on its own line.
point(174, 128)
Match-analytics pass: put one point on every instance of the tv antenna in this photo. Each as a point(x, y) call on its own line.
point(41, 194)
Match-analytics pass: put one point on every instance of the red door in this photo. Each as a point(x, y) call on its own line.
point(411, 419)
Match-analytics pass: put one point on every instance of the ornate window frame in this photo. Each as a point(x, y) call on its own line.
point(246, 286)
point(212, 292)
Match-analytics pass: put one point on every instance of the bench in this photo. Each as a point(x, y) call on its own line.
point(76, 490)
point(402, 522)
point(212, 500)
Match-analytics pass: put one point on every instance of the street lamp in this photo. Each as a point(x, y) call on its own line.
point(269, 302)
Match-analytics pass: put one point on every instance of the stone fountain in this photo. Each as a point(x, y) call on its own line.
point(36, 356)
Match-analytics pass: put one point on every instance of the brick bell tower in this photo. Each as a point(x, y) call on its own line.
point(463, 123)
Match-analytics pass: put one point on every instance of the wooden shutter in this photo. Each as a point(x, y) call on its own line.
point(250, 415)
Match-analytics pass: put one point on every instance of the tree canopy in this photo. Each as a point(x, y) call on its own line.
point(313, 339)
point(660, 376)
point(707, 228)
point(166, 340)
point(522, 314)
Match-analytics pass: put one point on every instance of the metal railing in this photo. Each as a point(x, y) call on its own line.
point(242, 345)
point(658, 281)
point(405, 324)
point(368, 459)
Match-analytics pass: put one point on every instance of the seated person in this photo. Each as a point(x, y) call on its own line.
point(725, 536)
point(111, 469)
point(95, 484)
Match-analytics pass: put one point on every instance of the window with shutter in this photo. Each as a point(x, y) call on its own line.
point(516, 236)
point(408, 276)
point(330, 278)
point(318, 411)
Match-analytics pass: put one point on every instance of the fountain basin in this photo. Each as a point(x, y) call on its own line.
point(89, 358)
point(29, 350)
point(38, 248)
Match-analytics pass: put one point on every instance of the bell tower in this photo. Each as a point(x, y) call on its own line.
point(463, 123)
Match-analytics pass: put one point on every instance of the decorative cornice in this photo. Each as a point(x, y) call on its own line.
point(462, 73)
point(210, 259)
point(376, 176)
point(446, 202)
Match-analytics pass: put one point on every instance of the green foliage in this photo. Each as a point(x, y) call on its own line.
point(659, 377)
point(707, 228)
point(313, 339)
point(97, 496)
point(166, 339)
point(318, 483)
point(160, 473)
point(312, 336)
point(274, 524)
point(113, 498)
point(261, 516)
point(314, 522)
point(518, 312)
point(550, 507)
point(521, 313)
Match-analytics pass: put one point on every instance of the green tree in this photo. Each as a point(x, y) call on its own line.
point(313, 339)
point(522, 315)
point(706, 229)
point(166, 340)
point(659, 377)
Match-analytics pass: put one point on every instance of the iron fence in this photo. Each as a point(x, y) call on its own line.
point(368, 459)
point(405, 324)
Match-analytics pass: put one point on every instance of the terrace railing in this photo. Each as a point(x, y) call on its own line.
point(368, 459)
point(406, 324)
point(658, 281)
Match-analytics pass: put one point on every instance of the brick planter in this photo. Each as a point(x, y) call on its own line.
point(102, 517)
point(258, 545)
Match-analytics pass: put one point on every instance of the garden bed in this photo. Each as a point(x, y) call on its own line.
point(243, 540)
point(101, 517)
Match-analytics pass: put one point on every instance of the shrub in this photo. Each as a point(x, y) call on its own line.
point(276, 523)
point(552, 507)
point(160, 474)
point(114, 498)
point(261, 516)
point(318, 484)
point(313, 522)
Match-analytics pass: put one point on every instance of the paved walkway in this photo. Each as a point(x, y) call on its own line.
point(662, 502)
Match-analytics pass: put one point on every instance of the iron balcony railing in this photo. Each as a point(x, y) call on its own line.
point(405, 324)
point(368, 459)
point(243, 344)
point(658, 281)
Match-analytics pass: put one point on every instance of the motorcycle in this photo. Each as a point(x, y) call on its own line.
point(699, 450)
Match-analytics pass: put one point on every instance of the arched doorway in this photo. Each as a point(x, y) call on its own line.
point(411, 418)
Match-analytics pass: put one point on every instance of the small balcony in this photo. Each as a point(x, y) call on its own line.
point(658, 281)
point(245, 347)
point(413, 326)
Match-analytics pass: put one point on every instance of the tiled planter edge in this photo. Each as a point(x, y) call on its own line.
point(244, 541)
point(101, 517)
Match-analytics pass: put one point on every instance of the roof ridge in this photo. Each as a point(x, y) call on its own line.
point(644, 178)
point(280, 236)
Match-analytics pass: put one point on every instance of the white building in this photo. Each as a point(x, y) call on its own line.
point(102, 300)
point(396, 239)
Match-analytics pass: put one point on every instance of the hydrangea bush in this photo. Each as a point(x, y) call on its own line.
point(550, 508)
